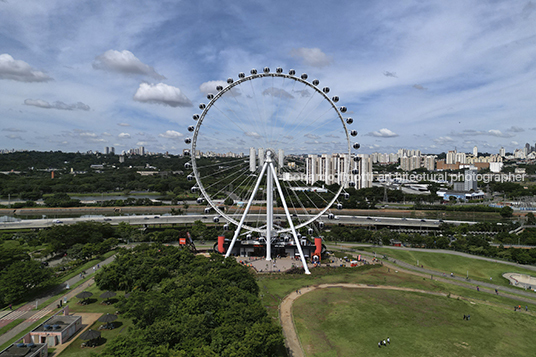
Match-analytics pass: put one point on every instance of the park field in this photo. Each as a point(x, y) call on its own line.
point(476, 269)
point(350, 322)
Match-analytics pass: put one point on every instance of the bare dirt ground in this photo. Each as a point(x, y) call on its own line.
point(521, 280)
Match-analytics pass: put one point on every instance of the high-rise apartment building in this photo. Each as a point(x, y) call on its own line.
point(461, 158)
point(502, 152)
point(261, 158)
point(280, 158)
point(475, 151)
point(429, 162)
point(252, 160)
point(332, 169)
point(470, 182)
point(451, 157)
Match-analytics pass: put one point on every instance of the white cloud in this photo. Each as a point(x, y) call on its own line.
point(472, 133)
point(124, 62)
point(161, 94)
point(21, 71)
point(210, 86)
point(13, 137)
point(124, 136)
point(499, 134)
point(123, 124)
point(87, 134)
point(516, 129)
point(383, 133)
point(313, 57)
point(312, 136)
point(252, 134)
point(514, 143)
point(171, 134)
point(442, 140)
point(56, 105)
point(278, 93)
point(14, 130)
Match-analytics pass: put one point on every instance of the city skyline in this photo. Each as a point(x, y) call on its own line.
point(83, 76)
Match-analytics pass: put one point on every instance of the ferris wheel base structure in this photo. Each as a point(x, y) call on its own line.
point(282, 247)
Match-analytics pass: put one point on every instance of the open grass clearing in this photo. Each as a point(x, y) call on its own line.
point(273, 288)
point(347, 322)
point(480, 270)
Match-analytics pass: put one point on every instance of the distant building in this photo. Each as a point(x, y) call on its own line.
point(261, 158)
point(252, 160)
point(475, 151)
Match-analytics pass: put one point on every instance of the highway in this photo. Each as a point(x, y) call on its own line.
point(379, 222)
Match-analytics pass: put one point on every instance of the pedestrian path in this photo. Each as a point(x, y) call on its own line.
point(31, 316)
point(39, 314)
point(12, 316)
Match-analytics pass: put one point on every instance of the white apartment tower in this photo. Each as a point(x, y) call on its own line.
point(451, 157)
point(252, 160)
point(280, 158)
point(261, 158)
point(502, 152)
point(429, 163)
point(475, 151)
point(331, 169)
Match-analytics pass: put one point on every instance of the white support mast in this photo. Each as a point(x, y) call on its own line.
point(271, 176)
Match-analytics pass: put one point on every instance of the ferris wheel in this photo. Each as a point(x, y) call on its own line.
point(271, 154)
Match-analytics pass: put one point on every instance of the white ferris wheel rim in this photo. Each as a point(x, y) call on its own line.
point(206, 107)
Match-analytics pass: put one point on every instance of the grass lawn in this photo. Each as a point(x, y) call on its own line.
point(349, 322)
point(448, 263)
point(122, 324)
point(273, 288)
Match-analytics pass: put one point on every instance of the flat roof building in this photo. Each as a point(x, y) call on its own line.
point(25, 350)
point(56, 330)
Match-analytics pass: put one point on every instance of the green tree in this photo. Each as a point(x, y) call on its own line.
point(506, 212)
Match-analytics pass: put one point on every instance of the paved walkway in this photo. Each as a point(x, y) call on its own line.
point(30, 315)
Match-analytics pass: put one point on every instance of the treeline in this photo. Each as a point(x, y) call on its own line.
point(58, 160)
point(457, 208)
point(187, 305)
point(34, 185)
point(20, 275)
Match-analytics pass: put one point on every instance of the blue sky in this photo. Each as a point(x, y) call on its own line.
point(428, 75)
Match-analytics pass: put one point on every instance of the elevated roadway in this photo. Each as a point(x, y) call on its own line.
point(146, 220)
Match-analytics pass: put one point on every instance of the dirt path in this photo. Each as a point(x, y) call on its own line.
point(287, 320)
